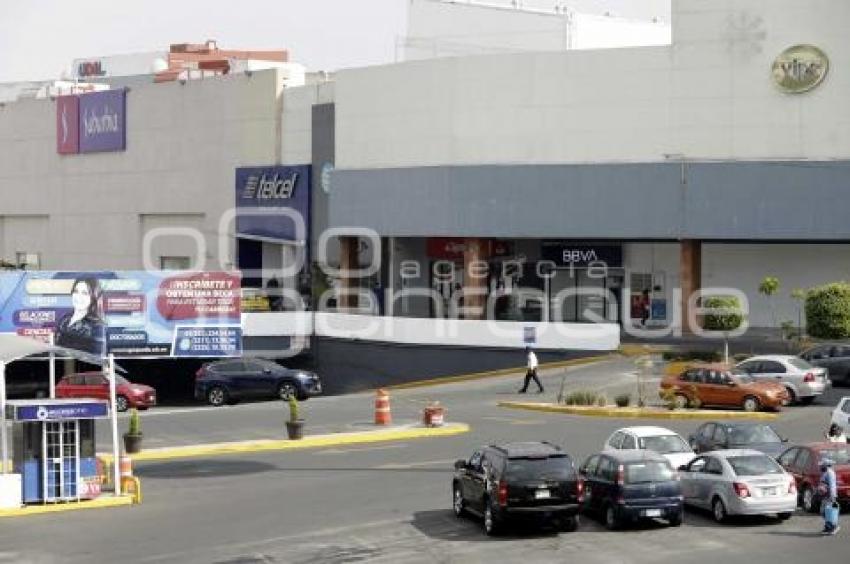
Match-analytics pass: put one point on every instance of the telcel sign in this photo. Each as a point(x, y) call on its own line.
point(800, 68)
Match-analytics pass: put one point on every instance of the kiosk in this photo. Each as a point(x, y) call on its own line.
point(53, 448)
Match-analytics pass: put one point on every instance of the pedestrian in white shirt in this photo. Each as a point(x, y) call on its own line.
point(531, 372)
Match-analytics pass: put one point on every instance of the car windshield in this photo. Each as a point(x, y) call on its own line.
point(551, 468)
point(121, 381)
point(647, 472)
point(664, 444)
point(839, 454)
point(752, 434)
point(799, 364)
point(753, 465)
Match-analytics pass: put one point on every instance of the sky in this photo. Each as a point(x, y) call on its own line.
point(40, 38)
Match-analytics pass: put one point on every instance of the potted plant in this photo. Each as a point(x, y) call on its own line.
point(295, 425)
point(133, 436)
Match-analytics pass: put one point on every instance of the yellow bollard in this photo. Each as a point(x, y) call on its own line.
point(133, 486)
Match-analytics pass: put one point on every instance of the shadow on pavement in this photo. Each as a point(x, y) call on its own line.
point(695, 517)
point(443, 525)
point(203, 469)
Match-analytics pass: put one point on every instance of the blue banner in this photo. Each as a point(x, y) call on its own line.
point(129, 314)
point(60, 412)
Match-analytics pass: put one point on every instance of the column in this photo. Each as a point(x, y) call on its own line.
point(690, 275)
point(348, 262)
point(475, 278)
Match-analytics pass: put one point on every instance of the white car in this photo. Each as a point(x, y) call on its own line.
point(657, 439)
point(803, 381)
point(841, 414)
point(739, 482)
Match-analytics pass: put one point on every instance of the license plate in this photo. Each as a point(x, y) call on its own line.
point(652, 512)
point(768, 491)
point(542, 494)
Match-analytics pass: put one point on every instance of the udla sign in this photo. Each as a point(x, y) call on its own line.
point(800, 68)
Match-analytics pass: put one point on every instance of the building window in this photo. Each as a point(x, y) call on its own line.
point(174, 263)
point(28, 261)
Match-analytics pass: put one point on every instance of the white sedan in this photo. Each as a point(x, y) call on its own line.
point(841, 414)
point(803, 381)
point(739, 482)
point(665, 442)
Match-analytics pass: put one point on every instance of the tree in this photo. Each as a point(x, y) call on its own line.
point(769, 287)
point(726, 318)
point(828, 311)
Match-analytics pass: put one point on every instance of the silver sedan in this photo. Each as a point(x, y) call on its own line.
point(803, 381)
point(738, 482)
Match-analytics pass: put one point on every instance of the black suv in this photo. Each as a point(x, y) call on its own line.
point(534, 480)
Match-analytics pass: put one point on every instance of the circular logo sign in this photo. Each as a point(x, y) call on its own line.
point(327, 168)
point(41, 413)
point(800, 68)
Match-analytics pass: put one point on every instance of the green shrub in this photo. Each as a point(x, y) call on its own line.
point(697, 356)
point(828, 311)
point(727, 320)
point(582, 397)
point(293, 408)
point(601, 400)
point(668, 397)
point(135, 427)
point(623, 400)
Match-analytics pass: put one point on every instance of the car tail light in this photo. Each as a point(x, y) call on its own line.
point(621, 500)
point(809, 377)
point(580, 489)
point(741, 490)
point(199, 373)
point(503, 493)
point(621, 475)
point(792, 487)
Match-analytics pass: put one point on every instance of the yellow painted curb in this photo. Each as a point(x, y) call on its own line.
point(99, 503)
point(637, 413)
point(632, 349)
point(440, 380)
point(361, 437)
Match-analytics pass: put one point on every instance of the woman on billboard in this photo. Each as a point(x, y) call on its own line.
point(83, 328)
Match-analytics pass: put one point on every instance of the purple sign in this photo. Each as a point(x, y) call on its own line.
point(282, 192)
point(102, 121)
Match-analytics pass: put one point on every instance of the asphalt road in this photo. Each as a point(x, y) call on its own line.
point(389, 502)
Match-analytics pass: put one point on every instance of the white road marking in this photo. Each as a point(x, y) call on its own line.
point(365, 449)
point(414, 464)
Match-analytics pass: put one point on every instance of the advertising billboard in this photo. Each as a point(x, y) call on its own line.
point(127, 313)
point(102, 121)
point(67, 125)
point(270, 188)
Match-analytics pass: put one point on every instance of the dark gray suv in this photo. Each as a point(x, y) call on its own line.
point(518, 481)
point(835, 357)
point(228, 381)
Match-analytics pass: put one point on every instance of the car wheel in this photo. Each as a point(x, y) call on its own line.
point(784, 516)
point(287, 390)
point(751, 404)
point(681, 401)
point(718, 510)
point(457, 501)
point(121, 403)
point(217, 396)
point(808, 400)
point(792, 397)
point(491, 525)
point(808, 500)
point(611, 521)
point(675, 520)
point(569, 524)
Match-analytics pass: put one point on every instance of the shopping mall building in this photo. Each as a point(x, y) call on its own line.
point(590, 178)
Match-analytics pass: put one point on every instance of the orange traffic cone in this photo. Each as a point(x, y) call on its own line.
point(382, 408)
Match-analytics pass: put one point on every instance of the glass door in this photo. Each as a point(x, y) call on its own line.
point(61, 460)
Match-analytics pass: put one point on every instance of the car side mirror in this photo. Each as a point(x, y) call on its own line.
point(731, 384)
point(460, 464)
point(784, 439)
point(267, 370)
point(683, 468)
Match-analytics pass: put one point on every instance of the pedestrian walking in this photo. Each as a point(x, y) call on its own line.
point(644, 308)
point(531, 371)
point(835, 434)
point(828, 490)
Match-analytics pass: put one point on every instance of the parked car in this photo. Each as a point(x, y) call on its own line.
point(841, 414)
point(96, 385)
point(629, 485)
point(725, 435)
point(834, 357)
point(739, 482)
point(228, 381)
point(803, 462)
point(529, 480)
point(657, 439)
point(717, 385)
point(803, 381)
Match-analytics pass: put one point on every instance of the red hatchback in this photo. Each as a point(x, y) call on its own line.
point(803, 462)
point(96, 385)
